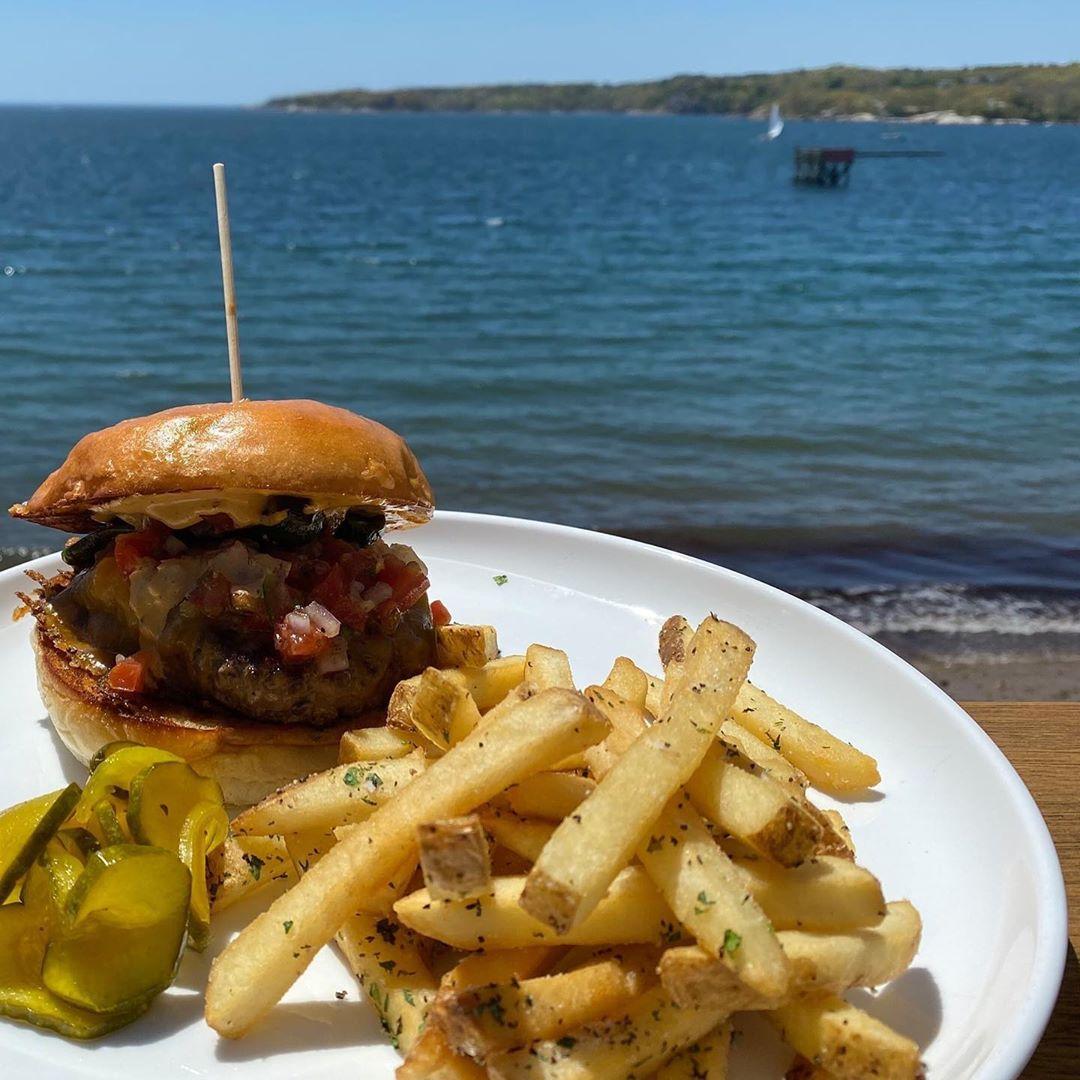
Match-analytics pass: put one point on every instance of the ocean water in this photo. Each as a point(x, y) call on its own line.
point(637, 324)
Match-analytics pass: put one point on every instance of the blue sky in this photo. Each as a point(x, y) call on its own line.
point(242, 51)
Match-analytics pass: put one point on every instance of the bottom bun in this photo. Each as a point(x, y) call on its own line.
point(248, 760)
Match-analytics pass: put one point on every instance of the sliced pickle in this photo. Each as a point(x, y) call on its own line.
point(79, 842)
point(109, 749)
point(117, 770)
point(109, 823)
point(50, 880)
point(161, 798)
point(23, 996)
point(125, 929)
point(205, 828)
point(26, 829)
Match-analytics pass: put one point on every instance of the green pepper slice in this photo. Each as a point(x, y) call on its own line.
point(124, 933)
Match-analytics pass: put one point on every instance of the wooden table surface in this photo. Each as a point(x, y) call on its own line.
point(1042, 740)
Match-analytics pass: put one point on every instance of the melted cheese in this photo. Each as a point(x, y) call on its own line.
point(180, 509)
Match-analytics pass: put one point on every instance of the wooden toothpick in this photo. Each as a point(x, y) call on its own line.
point(232, 330)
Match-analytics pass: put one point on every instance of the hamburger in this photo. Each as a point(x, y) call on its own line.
point(231, 595)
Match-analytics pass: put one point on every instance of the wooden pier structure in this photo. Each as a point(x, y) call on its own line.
point(830, 166)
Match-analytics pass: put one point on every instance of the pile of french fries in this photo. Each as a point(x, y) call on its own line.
point(536, 883)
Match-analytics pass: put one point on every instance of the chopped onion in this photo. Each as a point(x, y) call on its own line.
point(336, 658)
point(322, 619)
point(298, 623)
point(378, 592)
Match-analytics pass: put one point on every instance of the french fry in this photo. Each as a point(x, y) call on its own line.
point(458, 645)
point(345, 793)
point(626, 717)
point(551, 796)
point(635, 1042)
point(545, 668)
point(442, 709)
point(834, 962)
point(868, 957)
point(431, 1057)
point(243, 865)
point(400, 706)
point(823, 894)
point(830, 763)
point(846, 1042)
point(373, 744)
point(674, 641)
point(306, 848)
point(592, 845)
point(654, 695)
point(752, 807)
point(524, 836)
point(837, 837)
point(801, 1069)
point(489, 684)
point(764, 756)
point(708, 896)
point(628, 681)
point(494, 1018)
point(631, 912)
point(827, 761)
point(378, 898)
point(454, 857)
point(387, 962)
point(259, 965)
point(705, 1059)
point(695, 979)
point(498, 965)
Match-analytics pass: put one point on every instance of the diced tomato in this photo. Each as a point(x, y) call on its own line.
point(130, 674)
point(409, 582)
point(440, 613)
point(387, 616)
point(334, 593)
point(297, 646)
point(130, 547)
point(212, 595)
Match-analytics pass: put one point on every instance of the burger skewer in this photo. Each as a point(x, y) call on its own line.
point(232, 329)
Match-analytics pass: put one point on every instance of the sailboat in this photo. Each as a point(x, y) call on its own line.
point(776, 123)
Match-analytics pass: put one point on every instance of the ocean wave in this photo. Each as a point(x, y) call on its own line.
point(952, 609)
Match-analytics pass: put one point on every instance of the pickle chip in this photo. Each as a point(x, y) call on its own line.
point(161, 798)
point(205, 828)
point(23, 995)
point(116, 771)
point(124, 933)
point(25, 829)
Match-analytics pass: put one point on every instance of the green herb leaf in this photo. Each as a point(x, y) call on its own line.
point(287, 924)
point(255, 864)
point(500, 579)
point(353, 777)
point(731, 941)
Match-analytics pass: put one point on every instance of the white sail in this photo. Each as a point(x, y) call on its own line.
point(776, 123)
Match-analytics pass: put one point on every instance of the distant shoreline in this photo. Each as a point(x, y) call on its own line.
point(944, 118)
point(1012, 94)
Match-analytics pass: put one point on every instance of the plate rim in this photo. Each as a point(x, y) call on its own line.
point(1008, 1058)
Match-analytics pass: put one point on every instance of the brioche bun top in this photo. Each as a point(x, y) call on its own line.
point(328, 455)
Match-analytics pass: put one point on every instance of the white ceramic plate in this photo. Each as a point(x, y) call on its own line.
point(952, 828)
